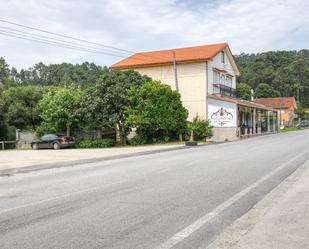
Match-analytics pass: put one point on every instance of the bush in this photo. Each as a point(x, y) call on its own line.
point(156, 111)
point(200, 129)
point(95, 143)
point(138, 139)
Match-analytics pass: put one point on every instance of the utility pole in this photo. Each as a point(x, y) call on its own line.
point(175, 71)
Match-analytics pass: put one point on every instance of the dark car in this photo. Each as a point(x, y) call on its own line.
point(303, 124)
point(52, 141)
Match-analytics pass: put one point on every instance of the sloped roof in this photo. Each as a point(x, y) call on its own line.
point(277, 103)
point(189, 54)
point(241, 102)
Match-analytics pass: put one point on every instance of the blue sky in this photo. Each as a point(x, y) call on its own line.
point(140, 25)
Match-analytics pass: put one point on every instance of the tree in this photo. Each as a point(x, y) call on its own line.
point(156, 110)
point(3, 118)
point(104, 104)
point(244, 91)
point(21, 106)
point(200, 129)
point(59, 110)
point(266, 91)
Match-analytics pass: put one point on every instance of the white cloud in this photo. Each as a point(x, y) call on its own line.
point(249, 26)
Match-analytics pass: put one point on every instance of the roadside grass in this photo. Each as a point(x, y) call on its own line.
point(288, 129)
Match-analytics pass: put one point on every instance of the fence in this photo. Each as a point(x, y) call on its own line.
point(7, 142)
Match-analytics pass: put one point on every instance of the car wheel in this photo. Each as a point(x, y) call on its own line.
point(56, 146)
point(35, 147)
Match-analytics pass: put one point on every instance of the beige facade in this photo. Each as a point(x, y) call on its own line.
point(195, 80)
point(192, 84)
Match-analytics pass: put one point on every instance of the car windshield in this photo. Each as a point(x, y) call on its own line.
point(49, 137)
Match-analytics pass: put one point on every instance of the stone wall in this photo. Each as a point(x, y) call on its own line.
point(224, 134)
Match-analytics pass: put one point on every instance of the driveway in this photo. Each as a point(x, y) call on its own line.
point(176, 199)
point(23, 158)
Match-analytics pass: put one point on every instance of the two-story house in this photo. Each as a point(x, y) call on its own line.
point(205, 76)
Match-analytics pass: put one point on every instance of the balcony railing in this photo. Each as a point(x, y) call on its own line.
point(225, 90)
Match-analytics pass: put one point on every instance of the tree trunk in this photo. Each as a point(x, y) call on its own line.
point(68, 130)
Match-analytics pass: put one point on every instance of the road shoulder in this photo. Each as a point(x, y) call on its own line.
point(280, 220)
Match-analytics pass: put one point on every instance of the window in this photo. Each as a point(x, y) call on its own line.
point(222, 57)
point(216, 77)
point(229, 81)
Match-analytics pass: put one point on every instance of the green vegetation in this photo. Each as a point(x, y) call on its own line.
point(157, 113)
point(200, 129)
point(287, 72)
point(266, 91)
point(244, 91)
point(287, 129)
point(95, 143)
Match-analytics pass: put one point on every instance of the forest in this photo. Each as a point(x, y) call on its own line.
point(285, 72)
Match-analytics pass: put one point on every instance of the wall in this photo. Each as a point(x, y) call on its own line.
point(191, 81)
point(223, 117)
point(216, 63)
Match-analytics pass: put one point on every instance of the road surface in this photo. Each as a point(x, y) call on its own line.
point(177, 199)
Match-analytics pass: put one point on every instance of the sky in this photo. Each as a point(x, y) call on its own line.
point(249, 26)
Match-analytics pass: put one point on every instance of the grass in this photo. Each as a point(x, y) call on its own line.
point(287, 129)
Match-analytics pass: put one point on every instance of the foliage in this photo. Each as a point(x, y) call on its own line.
point(286, 71)
point(156, 111)
point(64, 74)
point(244, 91)
point(266, 91)
point(104, 104)
point(200, 129)
point(138, 139)
point(21, 106)
point(59, 109)
point(95, 143)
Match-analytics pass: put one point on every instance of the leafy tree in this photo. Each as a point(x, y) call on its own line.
point(59, 110)
point(3, 119)
point(64, 74)
point(200, 129)
point(4, 69)
point(266, 91)
point(156, 110)
point(104, 104)
point(20, 106)
point(244, 91)
point(286, 71)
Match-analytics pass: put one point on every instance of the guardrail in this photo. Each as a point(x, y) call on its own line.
point(6, 142)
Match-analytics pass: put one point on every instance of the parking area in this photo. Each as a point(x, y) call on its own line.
point(22, 158)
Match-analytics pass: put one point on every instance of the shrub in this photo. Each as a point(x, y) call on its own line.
point(156, 111)
point(200, 129)
point(95, 143)
point(138, 139)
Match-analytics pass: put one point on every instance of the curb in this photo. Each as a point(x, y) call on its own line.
point(38, 167)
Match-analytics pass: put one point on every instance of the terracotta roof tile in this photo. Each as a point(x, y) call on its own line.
point(199, 53)
point(278, 103)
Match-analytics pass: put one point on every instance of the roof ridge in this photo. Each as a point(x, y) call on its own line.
point(171, 49)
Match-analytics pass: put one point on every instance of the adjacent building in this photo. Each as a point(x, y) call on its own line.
point(286, 108)
point(205, 76)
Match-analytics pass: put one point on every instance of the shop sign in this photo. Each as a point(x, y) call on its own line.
point(222, 114)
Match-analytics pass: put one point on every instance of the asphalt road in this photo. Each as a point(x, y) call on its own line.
point(177, 199)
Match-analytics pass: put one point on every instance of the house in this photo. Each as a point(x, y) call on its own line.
point(205, 76)
point(286, 108)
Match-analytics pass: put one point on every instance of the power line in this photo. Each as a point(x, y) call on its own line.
point(80, 47)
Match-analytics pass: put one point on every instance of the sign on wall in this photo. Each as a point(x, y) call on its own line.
point(221, 113)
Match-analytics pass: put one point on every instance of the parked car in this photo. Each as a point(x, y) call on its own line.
point(303, 124)
point(53, 141)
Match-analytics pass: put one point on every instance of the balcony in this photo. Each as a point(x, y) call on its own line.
point(225, 91)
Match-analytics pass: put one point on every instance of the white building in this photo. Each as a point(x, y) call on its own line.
point(205, 76)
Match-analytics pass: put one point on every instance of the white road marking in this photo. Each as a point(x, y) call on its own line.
point(186, 232)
